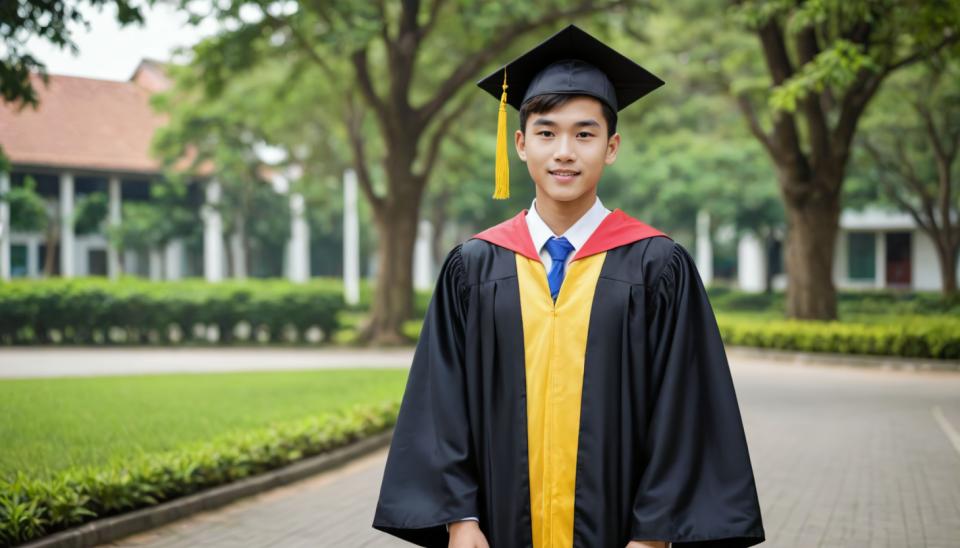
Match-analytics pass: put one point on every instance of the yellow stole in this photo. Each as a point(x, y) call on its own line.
point(555, 342)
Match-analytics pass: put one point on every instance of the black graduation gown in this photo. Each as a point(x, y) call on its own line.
point(662, 453)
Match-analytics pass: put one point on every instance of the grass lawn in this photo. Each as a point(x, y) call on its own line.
point(51, 424)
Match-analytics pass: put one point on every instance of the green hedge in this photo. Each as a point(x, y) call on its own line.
point(915, 337)
point(133, 311)
point(30, 509)
point(849, 302)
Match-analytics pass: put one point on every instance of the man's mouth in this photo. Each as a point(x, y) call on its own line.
point(564, 172)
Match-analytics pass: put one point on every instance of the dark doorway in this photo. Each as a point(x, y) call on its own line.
point(97, 262)
point(898, 259)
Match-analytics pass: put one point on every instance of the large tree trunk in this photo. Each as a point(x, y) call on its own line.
point(50, 257)
point(947, 255)
point(393, 299)
point(812, 225)
point(768, 274)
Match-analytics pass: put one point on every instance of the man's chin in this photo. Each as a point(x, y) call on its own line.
point(563, 195)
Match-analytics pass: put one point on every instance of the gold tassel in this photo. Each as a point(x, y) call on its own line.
point(502, 189)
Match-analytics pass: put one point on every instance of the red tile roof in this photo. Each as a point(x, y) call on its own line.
point(83, 123)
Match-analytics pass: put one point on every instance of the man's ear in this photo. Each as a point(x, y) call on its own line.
point(613, 146)
point(520, 144)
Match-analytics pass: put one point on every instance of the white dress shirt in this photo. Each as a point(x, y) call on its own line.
point(577, 235)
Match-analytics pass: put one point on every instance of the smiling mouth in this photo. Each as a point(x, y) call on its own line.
point(563, 173)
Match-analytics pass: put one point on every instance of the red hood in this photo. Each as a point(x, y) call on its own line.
point(615, 230)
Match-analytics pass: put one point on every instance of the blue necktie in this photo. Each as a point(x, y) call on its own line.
point(558, 248)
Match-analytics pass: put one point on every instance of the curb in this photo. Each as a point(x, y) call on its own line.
point(116, 527)
point(856, 360)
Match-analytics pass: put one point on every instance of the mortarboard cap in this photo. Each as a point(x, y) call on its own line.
point(569, 62)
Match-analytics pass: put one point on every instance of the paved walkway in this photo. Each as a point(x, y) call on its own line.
point(844, 457)
point(28, 362)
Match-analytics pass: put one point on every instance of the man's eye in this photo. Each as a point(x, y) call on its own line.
point(545, 133)
point(584, 134)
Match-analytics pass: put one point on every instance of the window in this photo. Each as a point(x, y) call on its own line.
point(97, 262)
point(18, 260)
point(861, 256)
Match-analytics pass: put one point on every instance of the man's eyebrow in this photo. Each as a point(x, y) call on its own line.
point(582, 123)
point(544, 122)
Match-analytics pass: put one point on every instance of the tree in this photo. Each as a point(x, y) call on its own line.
point(91, 212)
point(824, 63)
point(684, 148)
point(29, 213)
point(913, 139)
point(49, 20)
point(225, 132)
point(152, 224)
point(398, 68)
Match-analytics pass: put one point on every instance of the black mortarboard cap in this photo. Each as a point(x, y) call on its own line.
point(572, 61)
point(569, 62)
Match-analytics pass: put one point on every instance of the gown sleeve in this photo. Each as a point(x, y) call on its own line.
point(430, 477)
point(696, 486)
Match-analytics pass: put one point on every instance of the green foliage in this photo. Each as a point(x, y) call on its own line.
point(90, 213)
point(684, 148)
point(888, 323)
point(833, 68)
point(48, 20)
point(32, 508)
point(50, 425)
point(862, 306)
point(98, 311)
point(898, 150)
point(913, 337)
point(166, 216)
point(28, 211)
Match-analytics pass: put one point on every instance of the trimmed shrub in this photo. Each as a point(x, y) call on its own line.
point(133, 311)
point(30, 508)
point(912, 336)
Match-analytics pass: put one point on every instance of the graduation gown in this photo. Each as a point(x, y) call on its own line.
point(606, 416)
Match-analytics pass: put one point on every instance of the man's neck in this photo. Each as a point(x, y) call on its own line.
point(560, 216)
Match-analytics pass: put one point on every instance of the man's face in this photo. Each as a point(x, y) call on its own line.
point(566, 149)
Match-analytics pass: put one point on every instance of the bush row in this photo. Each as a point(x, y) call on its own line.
point(31, 508)
point(98, 311)
point(849, 302)
point(915, 337)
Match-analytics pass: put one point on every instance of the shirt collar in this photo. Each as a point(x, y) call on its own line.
point(577, 234)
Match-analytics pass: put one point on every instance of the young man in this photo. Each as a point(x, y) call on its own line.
point(570, 390)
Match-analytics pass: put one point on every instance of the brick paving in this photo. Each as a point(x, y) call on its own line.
point(844, 457)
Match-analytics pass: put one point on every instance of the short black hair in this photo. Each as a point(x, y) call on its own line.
point(549, 101)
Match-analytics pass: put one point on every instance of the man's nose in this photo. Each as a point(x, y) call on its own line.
point(564, 151)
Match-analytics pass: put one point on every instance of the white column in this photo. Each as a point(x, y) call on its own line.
point(351, 239)
point(67, 267)
point(173, 260)
point(131, 262)
point(156, 264)
point(113, 254)
point(212, 234)
point(298, 248)
point(33, 257)
point(422, 256)
point(880, 264)
point(751, 263)
point(704, 247)
point(238, 254)
point(4, 227)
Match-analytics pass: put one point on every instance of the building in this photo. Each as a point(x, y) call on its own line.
point(875, 249)
point(90, 135)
